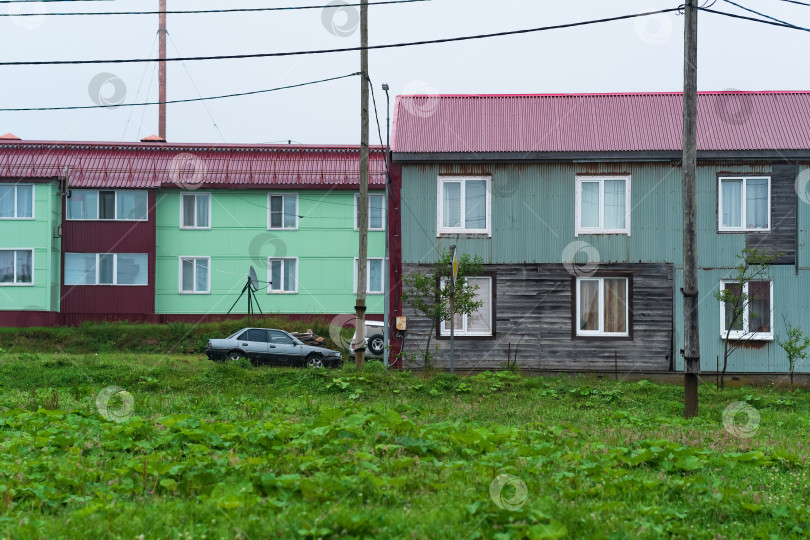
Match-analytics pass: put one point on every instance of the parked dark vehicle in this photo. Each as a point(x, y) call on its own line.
point(271, 346)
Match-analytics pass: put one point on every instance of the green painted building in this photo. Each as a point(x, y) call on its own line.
point(160, 232)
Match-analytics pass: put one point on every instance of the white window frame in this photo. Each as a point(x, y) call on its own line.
point(115, 209)
point(441, 230)
point(195, 227)
point(195, 258)
point(601, 308)
point(368, 290)
point(115, 270)
point(17, 210)
point(283, 267)
point(356, 210)
point(744, 333)
point(579, 229)
point(444, 326)
point(33, 267)
point(743, 209)
point(285, 195)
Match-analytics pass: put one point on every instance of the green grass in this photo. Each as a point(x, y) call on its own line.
point(234, 451)
point(177, 337)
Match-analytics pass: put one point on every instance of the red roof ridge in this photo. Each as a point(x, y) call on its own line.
point(603, 94)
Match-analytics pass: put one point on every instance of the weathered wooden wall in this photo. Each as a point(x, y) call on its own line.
point(782, 236)
point(533, 306)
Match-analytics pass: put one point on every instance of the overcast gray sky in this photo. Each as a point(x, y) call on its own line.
point(625, 56)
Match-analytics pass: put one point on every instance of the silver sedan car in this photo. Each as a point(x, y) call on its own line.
point(271, 346)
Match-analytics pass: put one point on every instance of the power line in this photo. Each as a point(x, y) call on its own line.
point(181, 100)
point(796, 2)
point(199, 11)
point(344, 49)
point(746, 18)
point(758, 13)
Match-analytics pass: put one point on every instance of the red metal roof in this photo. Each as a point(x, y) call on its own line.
point(152, 165)
point(599, 122)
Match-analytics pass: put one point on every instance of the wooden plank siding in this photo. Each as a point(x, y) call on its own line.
point(782, 236)
point(533, 306)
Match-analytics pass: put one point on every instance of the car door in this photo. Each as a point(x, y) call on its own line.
point(254, 344)
point(284, 348)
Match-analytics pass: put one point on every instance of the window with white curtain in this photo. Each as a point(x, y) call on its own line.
point(16, 201)
point(478, 323)
point(107, 205)
point(16, 267)
point(464, 205)
point(376, 211)
point(195, 210)
point(756, 320)
point(602, 205)
point(744, 203)
point(106, 269)
point(282, 211)
point(195, 275)
point(283, 275)
point(602, 306)
point(374, 276)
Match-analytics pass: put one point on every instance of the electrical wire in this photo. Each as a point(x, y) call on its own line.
point(199, 94)
point(140, 85)
point(201, 11)
point(746, 18)
point(758, 13)
point(344, 49)
point(796, 2)
point(239, 94)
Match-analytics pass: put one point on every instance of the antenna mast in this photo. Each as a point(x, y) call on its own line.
point(162, 71)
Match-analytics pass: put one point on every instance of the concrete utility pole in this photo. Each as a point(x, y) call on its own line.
point(362, 203)
point(691, 338)
point(162, 71)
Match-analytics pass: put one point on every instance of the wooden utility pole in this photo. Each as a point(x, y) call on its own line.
point(691, 338)
point(162, 71)
point(362, 203)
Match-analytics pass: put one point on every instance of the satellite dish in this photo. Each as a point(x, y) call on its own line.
point(254, 279)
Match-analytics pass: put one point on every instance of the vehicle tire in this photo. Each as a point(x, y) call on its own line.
point(376, 344)
point(314, 360)
point(233, 356)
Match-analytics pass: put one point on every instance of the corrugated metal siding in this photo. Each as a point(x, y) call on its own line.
point(110, 237)
point(153, 165)
point(790, 299)
point(533, 209)
point(599, 122)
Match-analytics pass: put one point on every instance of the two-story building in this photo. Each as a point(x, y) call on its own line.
point(573, 202)
point(157, 232)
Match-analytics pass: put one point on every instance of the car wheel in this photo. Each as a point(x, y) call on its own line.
point(376, 344)
point(315, 361)
point(233, 356)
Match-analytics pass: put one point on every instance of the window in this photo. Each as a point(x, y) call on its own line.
point(255, 335)
point(602, 205)
point(283, 275)
point(195, 275)
point(280, 338)
point(464, 205)
point(756, 321)
point(195, 211)
point(17, 201)
point(106, 269)
point(283, 212)
point(16, 267)
point(376, 212)
point(602, 307)
point(478, 323)
point(744, 204)
point(123, 205)
point(374, 276)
